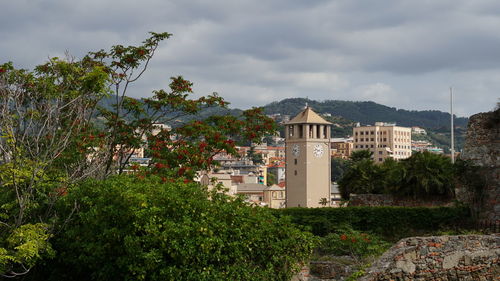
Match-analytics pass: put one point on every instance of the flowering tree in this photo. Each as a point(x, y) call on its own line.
point(50, 137)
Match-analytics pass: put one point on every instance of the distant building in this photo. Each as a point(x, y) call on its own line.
point(384, 140)
point(307, 160)
point(335, 196)
point(418, 131)
point(278, 170)
point(213, 179)
point(341, 147)
point(421, 146)
point(262, 195)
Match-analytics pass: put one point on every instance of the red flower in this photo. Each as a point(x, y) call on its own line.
point(343, 237)
point(181, 171)
point(353, 240)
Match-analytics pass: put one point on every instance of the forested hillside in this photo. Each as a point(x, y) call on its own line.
point(368, 112)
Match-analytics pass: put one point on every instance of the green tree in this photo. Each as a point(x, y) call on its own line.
point(271, 179)
point(49, 139)
point(254, 156)
point(363, 176)
point(131, 229)
point(323, 202)
point(41, 112)
point(360, 155)
point(339, 167)
point(427, 174)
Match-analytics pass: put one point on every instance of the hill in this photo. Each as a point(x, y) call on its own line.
point(368, 112)
point(344, 115)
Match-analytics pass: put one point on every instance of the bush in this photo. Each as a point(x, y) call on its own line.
point(389, 222)
point(346, 241)
point(130, 229)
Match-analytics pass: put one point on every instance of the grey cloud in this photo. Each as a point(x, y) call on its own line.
point(254, 52)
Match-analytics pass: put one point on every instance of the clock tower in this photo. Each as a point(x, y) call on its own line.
point(308, 163)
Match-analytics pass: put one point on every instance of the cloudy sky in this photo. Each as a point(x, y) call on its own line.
point(404, 54)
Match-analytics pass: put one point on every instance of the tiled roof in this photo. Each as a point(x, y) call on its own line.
point(308, 116)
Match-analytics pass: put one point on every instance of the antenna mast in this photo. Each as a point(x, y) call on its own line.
point(452, 128)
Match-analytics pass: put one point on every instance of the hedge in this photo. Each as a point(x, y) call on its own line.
point(385, 221)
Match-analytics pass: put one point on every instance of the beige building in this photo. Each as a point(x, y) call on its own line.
point(307, 154)
point(341, 147)
point(384, 140)
point(262, 195)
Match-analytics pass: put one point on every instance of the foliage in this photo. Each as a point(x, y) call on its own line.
point(388, 222)
point(436, 123)
point(470, 178)
point(254, 156)
point(359, 155)
point(339, 167)
point(367, 112)
point(271, 179)
point(130, 229)
point(346, 241)
point(427, 174)
point(49, 137)
point(424, 174)
point(23, 248)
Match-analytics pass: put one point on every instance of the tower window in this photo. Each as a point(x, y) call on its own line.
point(301, 131)
point(290, 130)
point(295, 172)
point(295, 161)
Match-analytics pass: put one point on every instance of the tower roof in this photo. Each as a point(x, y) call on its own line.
point(308, 116)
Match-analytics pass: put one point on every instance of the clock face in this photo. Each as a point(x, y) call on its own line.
point(318, 150)
point(296, 150)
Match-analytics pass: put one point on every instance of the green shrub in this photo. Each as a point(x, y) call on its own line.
point(346, 241)
point(388, 222)
point(126, 229)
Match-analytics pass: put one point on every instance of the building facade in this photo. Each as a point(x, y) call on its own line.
point(341, 147)
point(384, 140)
point(307, 154)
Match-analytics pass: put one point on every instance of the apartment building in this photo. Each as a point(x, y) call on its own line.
point(384, 140)
point(341, 147)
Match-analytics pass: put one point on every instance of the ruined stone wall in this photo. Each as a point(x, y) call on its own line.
point(375, 200)
point(482, 147)
point(463, 257)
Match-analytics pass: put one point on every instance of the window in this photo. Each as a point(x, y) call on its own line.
point(295, 172)
point(290, 131)
point(361, 133)
point(385, 139)
point(355, 133)
point(318, 135)
point(295, 161)
point(372, 139)
point(380, 159)
point(301, 131)
point(371, 132)
point(380, 152)
point(371, 145)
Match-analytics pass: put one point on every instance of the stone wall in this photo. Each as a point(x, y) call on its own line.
point(375, 200)
point(463, 257)
point(482, 148)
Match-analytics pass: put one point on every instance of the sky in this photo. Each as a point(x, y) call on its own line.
point(400, 53)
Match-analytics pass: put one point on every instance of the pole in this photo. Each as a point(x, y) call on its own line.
point(452, 128)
